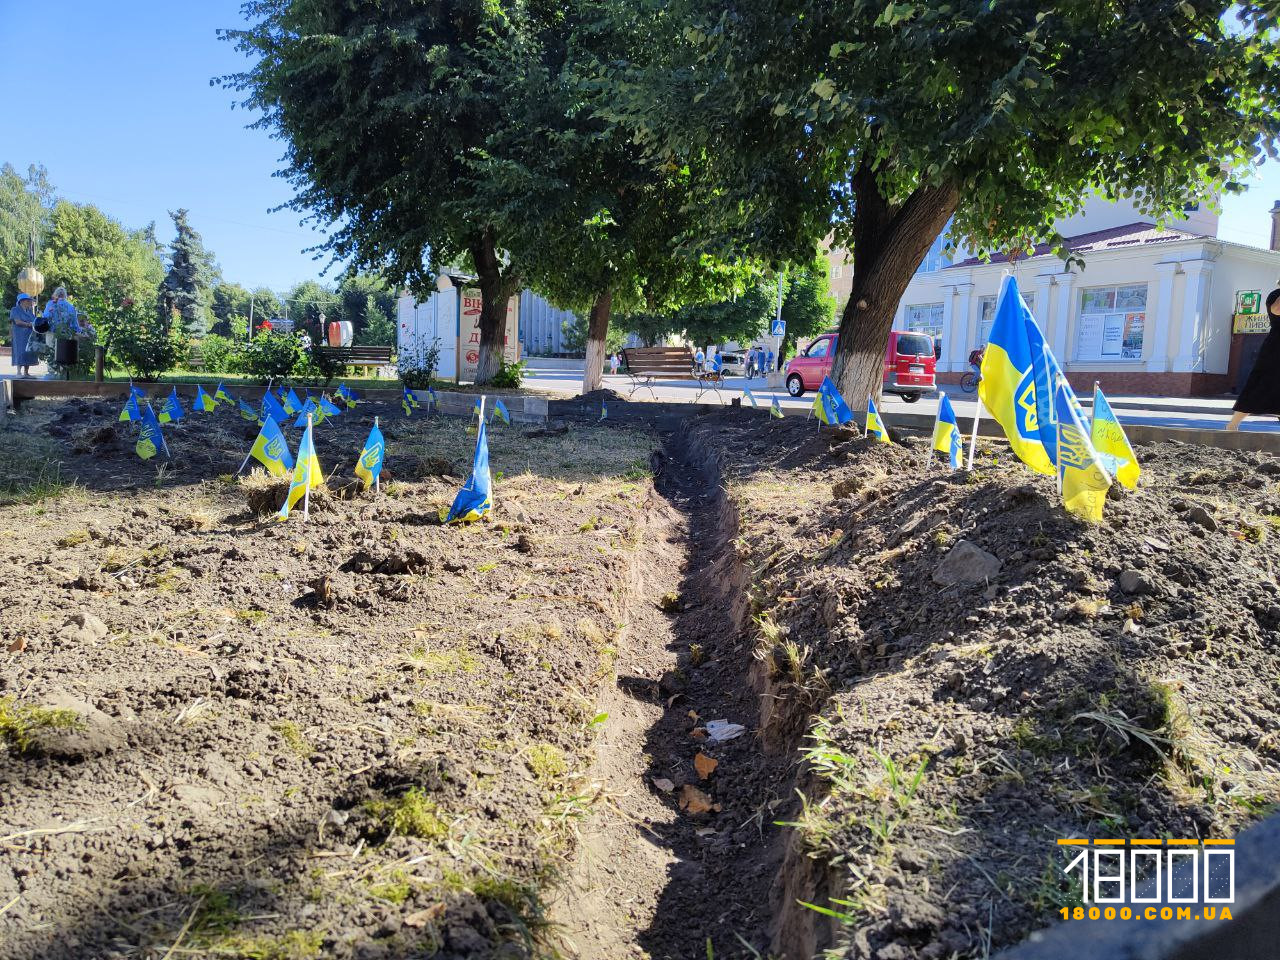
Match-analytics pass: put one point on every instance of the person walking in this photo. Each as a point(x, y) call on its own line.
point(613, 364)
point(22, 324)
point(1261, 393)
point(751, 363)
point(699, 360)
point(768, 362)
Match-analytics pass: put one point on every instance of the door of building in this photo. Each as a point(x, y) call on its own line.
point(1250, 344)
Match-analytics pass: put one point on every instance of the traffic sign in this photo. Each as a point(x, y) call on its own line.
point(779, 328)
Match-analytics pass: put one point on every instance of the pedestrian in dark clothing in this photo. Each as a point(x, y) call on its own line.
point(1261, 393)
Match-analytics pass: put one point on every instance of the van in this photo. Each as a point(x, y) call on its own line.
point(909, 365)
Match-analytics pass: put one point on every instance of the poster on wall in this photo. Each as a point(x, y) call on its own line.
point(1131, 347)
point(1112, 334)
point(469, 334)
point(1248, 302)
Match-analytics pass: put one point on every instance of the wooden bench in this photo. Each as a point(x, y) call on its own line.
point(647, 365)
point(363, 356)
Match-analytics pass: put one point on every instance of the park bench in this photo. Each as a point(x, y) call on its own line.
point(647, 365)
point(362, 356)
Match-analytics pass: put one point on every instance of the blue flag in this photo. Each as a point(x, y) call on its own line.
point(131, 411)
point(474, 500)
point(150, 439)
point(308, 408)
point(370, 463)
point(172, 409)
point(136, 393)
point(271, 408)
point(248, 413)
point(946, 433)
point(294, 404)
point(829, 406)
point(500, 411)
point(329, 408)
point(271, 449)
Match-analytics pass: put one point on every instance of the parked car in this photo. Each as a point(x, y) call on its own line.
point(733, 363)
point(909, 365)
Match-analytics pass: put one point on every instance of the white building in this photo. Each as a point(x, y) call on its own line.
point(1153, 311)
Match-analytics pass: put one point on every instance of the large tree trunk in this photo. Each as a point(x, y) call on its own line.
point(890, 241)
point(495, 290)
point(597, 333)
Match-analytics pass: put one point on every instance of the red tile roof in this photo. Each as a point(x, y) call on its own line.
point(1114, 238)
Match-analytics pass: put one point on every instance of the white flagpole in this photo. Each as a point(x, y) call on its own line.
point(377, 479)
point(306, 491)
point(973, 440)
point(482, 400)
point(1093, 409)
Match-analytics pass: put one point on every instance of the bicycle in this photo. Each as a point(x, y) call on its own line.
point(969, 382)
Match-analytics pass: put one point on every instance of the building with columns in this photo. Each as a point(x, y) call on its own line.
point(1152, 311)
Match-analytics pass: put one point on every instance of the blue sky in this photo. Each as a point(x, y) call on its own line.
point(119, 108)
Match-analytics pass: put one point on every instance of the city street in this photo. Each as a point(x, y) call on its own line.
point(1181, 412)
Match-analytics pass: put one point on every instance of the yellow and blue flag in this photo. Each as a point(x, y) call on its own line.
point(172, 409)
point(875, 427)
point(829, 406)
point(222, 395)
point(750, 398)
point(475, 499)
point(137, 392)
point(1084, 479)
point(271, 408)
point(271, 449)
point(295, 404)
point(946, 433)
point(308, 408)
point(500, 411)
point(329, 408)
point(348, 395)
point(1015, 384)
point(413, 399)
point(431, 397)
point(1111, 444)
point(203, 401)
point(306, 474)
point(370, 463)
point(131, 411)
point(776, 409)
point(150, 439)
point(604, 410)
point(248, 413)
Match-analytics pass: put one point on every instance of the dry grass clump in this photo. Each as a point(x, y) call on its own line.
point(264, 494)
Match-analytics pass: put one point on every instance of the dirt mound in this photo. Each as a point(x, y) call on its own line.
point(362, 736)
point(970, 673)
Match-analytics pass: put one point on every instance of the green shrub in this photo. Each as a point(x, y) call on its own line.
point(272, 356)
point(219, 354)
point(417, 364)
point(145, 345)
point(509, 374)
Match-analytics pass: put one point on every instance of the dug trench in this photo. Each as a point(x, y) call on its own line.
point(939, 676)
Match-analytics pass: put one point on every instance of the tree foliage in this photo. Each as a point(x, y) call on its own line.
point(383, 109)
point(887, 120)
point(26, 205)
point(184, 292)
point(808, 308)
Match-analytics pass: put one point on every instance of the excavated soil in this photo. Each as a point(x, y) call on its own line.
point(358, 736)
point(969, 673)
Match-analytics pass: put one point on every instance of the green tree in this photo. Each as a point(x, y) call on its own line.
point(596, 223)
point(884, 120)
point(109, 271)
point(742, 319)
point(366, 299)
point(651, 328)
point(26, 206)
point(383, 109)
point(184, 292)
point(311, 306)
point(227, 300)
point(807, 307)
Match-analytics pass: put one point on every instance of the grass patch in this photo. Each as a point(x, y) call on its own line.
point(412, 814)
point(17, 724)
point(293, 738)
point(393, 888)
point(547, 761)
point(444, 661)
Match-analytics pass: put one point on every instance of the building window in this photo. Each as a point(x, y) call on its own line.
point(1112, 322)
point(925, 318)
point(936, 258)
point(987, 315)
point(836, 270)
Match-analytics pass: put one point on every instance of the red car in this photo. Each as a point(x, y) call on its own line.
point(909, 365)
